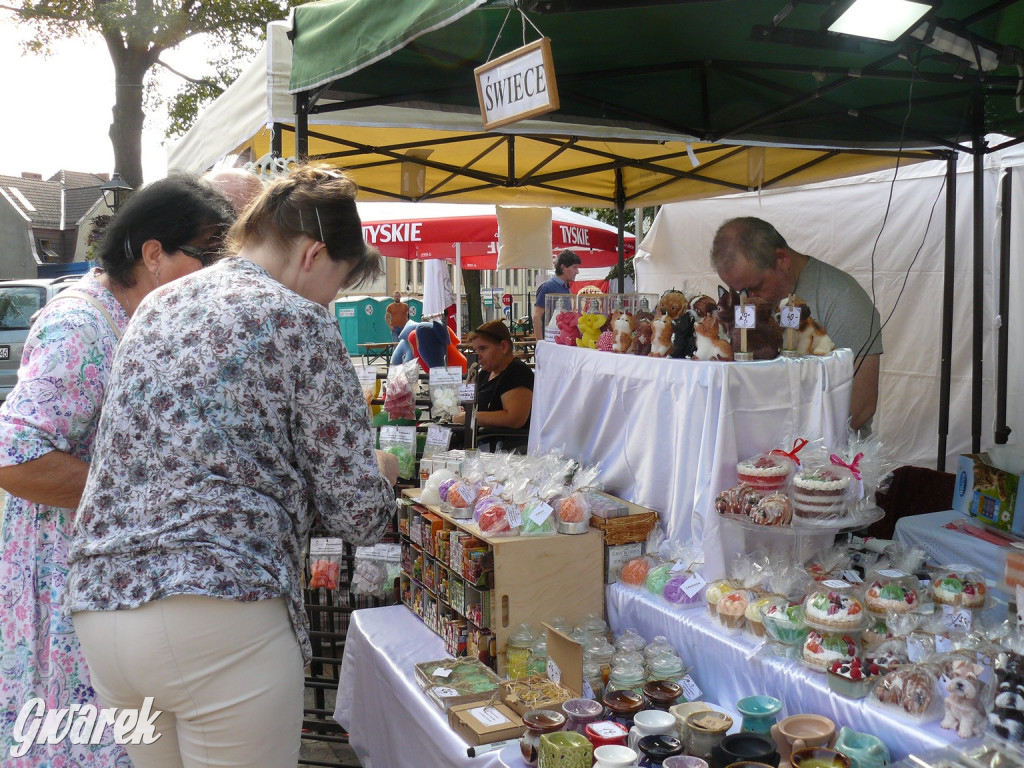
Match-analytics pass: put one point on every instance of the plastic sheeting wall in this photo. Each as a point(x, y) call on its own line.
point(840, 223)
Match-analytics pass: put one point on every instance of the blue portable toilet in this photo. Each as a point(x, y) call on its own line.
point(361, 321)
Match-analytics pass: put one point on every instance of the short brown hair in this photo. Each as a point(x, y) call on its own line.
point(316, 201)
point(495, 330)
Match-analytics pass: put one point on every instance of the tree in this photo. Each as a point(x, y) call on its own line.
point(136, 33)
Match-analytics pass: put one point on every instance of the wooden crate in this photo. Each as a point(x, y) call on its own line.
point(633, 528)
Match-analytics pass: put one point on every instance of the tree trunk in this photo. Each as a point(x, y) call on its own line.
point(471, 284)
point(130, 67)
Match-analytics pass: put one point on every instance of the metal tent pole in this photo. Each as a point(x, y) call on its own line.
point(1002, 432)
point(977, 390)
point(301, 126)
point(620, 210)
point(948, 281)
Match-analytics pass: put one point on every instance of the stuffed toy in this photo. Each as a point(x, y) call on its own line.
point(434, 343)
point(403, 349)
point(590, 325)
point(810, 338)
point(703, 306)
point(622, 325)
point(765, 339)
point(673, 303)
point(684, 339)
point(1007, 715)
point(661, 335)
point(568, 328)
point(963, 709)
point(606, 340)
point(643, 332)
point(710, 345)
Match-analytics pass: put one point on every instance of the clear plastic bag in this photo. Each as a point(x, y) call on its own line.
point(400, 396)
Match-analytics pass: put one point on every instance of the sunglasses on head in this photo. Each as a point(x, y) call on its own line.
point(205, 256)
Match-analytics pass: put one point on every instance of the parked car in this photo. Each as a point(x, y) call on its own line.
point(20, 300)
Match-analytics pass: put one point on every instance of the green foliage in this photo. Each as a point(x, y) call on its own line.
point(95, 236)
point(611, 216)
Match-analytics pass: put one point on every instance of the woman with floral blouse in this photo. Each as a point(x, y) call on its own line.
point(167, 229)
point(233, 418)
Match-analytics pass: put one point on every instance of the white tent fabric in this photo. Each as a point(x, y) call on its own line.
point(438, 293)
point(890, 249)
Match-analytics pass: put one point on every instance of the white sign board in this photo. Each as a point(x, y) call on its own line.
point(518, 85)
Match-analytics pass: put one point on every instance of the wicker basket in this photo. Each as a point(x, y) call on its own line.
point(629, 529)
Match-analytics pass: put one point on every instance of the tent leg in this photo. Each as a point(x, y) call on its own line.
point(620, 221)
point(979, 291)
point(1002, 433)
point(948, 281)
point(301, 126)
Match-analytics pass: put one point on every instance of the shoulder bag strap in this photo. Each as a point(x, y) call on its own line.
point(72, 293)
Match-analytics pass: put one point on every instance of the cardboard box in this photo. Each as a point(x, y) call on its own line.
point(485, 723)
point(988, 493)
point(565, 670)
point(617, 556)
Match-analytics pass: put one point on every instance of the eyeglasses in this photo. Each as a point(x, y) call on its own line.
point(205, 256)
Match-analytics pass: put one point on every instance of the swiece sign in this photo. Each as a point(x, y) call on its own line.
point(518, 85)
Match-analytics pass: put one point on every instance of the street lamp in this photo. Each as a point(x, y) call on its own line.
point(115, 192)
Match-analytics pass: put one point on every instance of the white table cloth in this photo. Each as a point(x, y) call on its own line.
point(727, 667)
point(391, 723)
point(943, 546)
point(667, 433)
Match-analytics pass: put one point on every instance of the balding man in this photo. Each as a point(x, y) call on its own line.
point(238, 186)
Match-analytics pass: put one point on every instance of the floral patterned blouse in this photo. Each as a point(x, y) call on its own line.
point(233, 416)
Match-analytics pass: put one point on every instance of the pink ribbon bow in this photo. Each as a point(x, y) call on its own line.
point(853, 466)
point(798, 445)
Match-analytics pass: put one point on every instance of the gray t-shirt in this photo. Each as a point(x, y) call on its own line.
point(837, 301)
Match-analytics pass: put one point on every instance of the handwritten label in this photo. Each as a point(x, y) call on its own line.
point(554, 673)
point(445, 377)
point(691, 691)
point(541, 512)
point(442, 672)
point(789, 317)
point(693, 585)
point(943, 644)
point(836, 584)
point(745, 316)
point(514, 516)
point(488, 716)
point(467, 392)
point(892, 573)
point(444, 692)
point(956, 619)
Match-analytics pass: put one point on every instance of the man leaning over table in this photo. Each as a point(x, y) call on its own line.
point(749, 254)
point(566, 267)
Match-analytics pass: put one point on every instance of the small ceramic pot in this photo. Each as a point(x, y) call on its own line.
point(650, 722)
point(614, 756)
point(706, 730)
point(759, 713)
point(744, 747)
point(662, 694)
point(799, 731)
point(818, 757)
point(863, 749)
point(606, 733)
point(681, 712)
point(654, 749)
point(623, 704)
point(564, 749)
point(684, 761)
point(538, 722)
point(580, 713)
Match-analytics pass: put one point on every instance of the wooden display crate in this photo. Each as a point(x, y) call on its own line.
point(633, 528)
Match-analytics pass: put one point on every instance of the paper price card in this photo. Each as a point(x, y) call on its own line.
point(541, 512)
point(449, 376)
point(956, 619)
point(693, 585)
point(608, 730)
point(442, 672)
point(489, 716)
point(514, 517)
point(402, 435)
point(943, 644)
point(326, 546)
point(789, 317)
point(444, 692)
point(745, 316)
point(467, 392)
point(691, 691)
point(588, 690)
point(852, 576)
point(836, 584)
point(892, 573)
point(438, 437)
point(554, 673)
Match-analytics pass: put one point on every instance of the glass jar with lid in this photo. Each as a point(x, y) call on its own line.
point(537, 663)
point(595, 625)
point(630, 640)
point(626, 677)
point(658, 645)
point(624, 656)
point(517, 651)
point(666, 666)
point(594, 675)
point(602, 651)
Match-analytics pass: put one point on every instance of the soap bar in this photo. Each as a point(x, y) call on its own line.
point(1014, 572)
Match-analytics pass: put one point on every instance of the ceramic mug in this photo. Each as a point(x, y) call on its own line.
point(863, 749)
point(681, 712)
point(799, 731)
point(614, 756)
point(650, 722)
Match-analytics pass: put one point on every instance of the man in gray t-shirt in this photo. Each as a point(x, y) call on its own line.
point(749, 254)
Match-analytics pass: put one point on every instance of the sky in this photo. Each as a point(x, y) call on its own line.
point(57, 109)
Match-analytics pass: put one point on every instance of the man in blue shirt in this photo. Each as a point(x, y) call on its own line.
point(566, 267)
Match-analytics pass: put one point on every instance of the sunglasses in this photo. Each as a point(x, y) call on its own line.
point(205, 256)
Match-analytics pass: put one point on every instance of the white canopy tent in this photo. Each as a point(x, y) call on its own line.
point(840, 222)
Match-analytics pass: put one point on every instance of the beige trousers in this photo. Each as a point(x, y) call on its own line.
point(226, 676)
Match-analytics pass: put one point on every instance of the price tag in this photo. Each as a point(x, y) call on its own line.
point(677, 566)
point(836, 584)
point(554, 673)
point(442, 672)
point(445, 377)
point(366, 374)
point(467, 392)
point(489, 716)
point(541, 512)
point(693, 585)
point(444, 692)
point(514, 516)
point(789, 317)
point(438, 437)
point(608, 730)
point(326, 546)
point(943, 644)
point(588, 691)
point(745, 316)
point(956, 619)
point(852, 576)
point(691, 691)
point(892, 573)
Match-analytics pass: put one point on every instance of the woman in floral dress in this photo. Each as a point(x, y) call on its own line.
point(47, 424)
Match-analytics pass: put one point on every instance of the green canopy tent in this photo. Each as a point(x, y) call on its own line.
point(744, 72)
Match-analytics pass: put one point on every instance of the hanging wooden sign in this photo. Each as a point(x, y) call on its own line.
point(518, 85)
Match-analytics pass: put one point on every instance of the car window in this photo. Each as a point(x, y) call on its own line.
point(18, 304)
